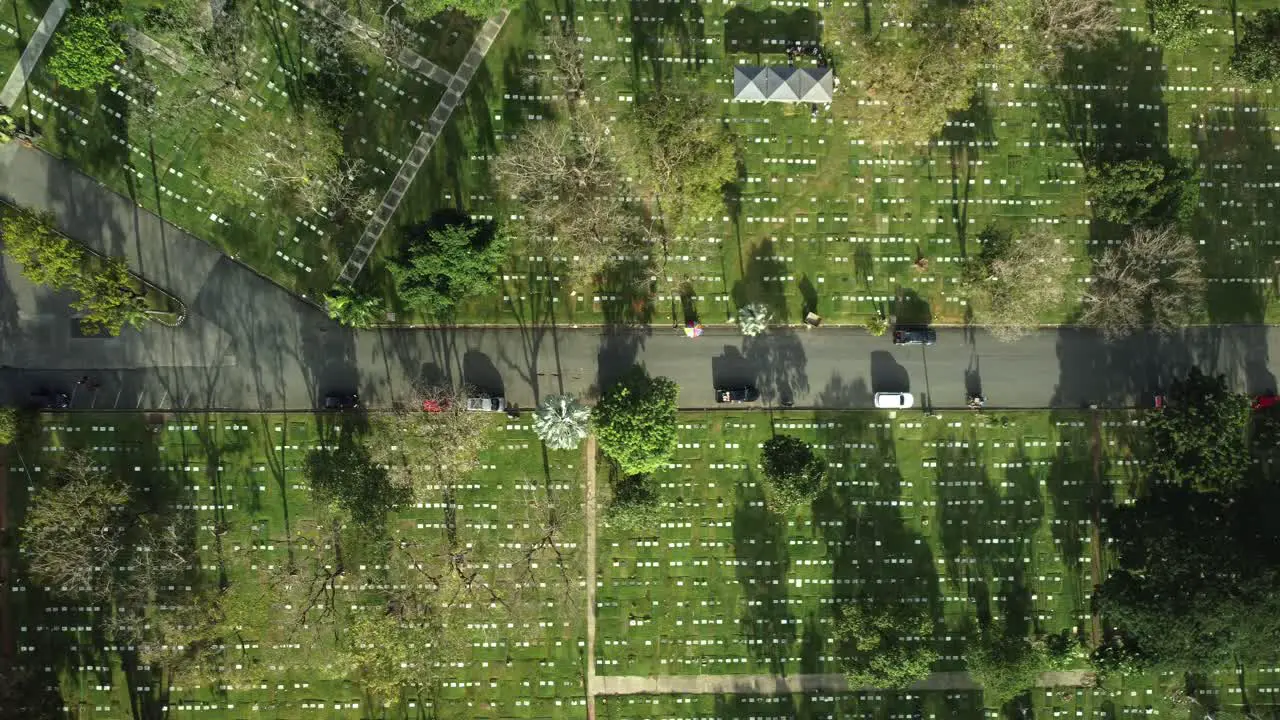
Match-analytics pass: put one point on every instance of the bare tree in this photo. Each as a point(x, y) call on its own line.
point(1017, 281)
point(1153, 279)
point(567, 68)
point(564, 175)
point(76, 530)
point(83, 535)
point(1065, 23)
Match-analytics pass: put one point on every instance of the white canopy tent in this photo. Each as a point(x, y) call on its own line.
point(754, 83)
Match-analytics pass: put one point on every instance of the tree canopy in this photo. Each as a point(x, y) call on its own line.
point(1139, 192)
point(87, 44)
point(1199, 439)
point(1198, 554)
point(1175, 24)
point(1017, 279)
point(448, 265)
point(561, 422)
point(1257, 54)
point(566, 178)
point(877, 651)
point(677, 147)
point(792, 473)
point(635, 422)
point(86, 534)
point(426, 9)
point(1005, 665)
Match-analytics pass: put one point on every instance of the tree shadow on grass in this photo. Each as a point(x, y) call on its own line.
point(762, 565)
point(1237, 219)
point(770, 31)
point(874, 556)
point(761, 283)
point(655, 25)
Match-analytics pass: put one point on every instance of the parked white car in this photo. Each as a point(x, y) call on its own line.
point(484, 403)
point(894, 401)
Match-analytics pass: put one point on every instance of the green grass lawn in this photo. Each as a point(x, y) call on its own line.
point(829, 222)
point(967, 513)
point(243, 475)
point(164, 171)
point(964, 514)
point(18, 20)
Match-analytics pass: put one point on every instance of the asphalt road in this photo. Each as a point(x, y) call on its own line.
point(247, 344)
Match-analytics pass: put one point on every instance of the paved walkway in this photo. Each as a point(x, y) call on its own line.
point(31, 55)
point(590, 452)
point(788, 684)
point(457, 87)
point(406, 57)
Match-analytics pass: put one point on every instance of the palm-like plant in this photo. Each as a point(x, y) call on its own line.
point(8, 126)
point(352, 308)
point(753, 319)
point(561, 422)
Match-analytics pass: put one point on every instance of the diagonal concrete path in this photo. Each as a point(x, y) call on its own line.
point(457, 87)
point(31, 54)
point(248, 344)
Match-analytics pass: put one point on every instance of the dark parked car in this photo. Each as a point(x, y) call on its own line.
point(339, 401)
point(914, 336)
point(742, 394)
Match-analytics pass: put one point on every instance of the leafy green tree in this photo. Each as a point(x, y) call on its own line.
point(110, 299)
point(426, 9)
point(86, 45)
point(8, 125)
point(1257, 56)
point(1005, 665)
point(1175, 24)
point(634, 504)
point(8, 425)
point(874, 636)
point(47, 257)
point(1138, 192)
point(1200, 438)
point(1197, 585)
point(635, 422)
point(353, 308)
point(390, 650)
point(448, 266)
point(793, 474)
point(1119, 654)
point(680, 150)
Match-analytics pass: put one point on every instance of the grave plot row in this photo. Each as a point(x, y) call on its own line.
point(921, 510)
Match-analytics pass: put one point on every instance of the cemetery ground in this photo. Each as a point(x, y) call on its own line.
point(827, 220)
point(162, 166)
point(822, 218)
point(981, 517)
point(18, 20)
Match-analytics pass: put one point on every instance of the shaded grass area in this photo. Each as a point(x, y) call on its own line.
point(18, 20)
point(163, 168)
point(240, 479)
point(825, 220)
point(975, 516)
